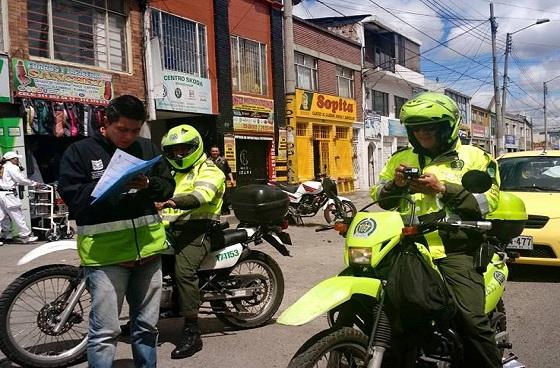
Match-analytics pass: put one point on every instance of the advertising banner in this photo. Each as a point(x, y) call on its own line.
point(4, 79)
point(252, 114)
point(478, 130)
point(229, 152)
point(185, 93)
point(321, 106)
point(396, 129)
point(61, 83)
point(510, 141)
point(372, 123)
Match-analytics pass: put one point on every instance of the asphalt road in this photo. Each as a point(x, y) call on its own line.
point(532, 301)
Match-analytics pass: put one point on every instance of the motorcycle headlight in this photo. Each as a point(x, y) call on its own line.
point(361, 256)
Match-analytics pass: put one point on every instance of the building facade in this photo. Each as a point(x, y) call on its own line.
point(326, 105)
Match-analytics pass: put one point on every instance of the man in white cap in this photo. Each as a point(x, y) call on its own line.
point(9, 201)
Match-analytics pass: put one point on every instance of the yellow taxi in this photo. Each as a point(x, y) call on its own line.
point(534, 176)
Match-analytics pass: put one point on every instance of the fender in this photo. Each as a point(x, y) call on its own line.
point(331, 201)
point(327, 295)
point(277, 243)
point(47, 248)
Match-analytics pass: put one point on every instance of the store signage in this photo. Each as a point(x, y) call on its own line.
point(396, 129)
point(318, 105)
point(510, 141)
point(252, 114)
point(185, 93)
point(61, 83)
point(478, 130)
point(4, 79)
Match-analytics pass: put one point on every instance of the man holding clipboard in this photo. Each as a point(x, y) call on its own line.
point(120, 234)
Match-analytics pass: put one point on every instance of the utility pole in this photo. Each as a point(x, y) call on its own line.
point(504, 85)
point(290, 76)
point(497, 105)
point(544, 115)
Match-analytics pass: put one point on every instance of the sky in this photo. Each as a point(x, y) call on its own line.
point(465, 62)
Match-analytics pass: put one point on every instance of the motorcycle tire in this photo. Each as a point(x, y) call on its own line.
point(330, 213)
point(235, 314)
point(34, 285)
point(344, 343)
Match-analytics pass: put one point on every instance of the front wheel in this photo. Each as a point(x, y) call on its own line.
point(338, 347)
point(331, 215)
point(29, 311)
point(259, 275)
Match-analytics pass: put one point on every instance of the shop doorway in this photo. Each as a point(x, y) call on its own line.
point(320, 157)
point(371, 164)
point(252, 161)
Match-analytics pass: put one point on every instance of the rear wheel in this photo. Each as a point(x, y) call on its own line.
point(29, 310)
point(331, 215)
point(344, 347)
point(259, 275)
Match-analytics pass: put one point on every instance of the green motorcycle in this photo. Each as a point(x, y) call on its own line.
point(354, 300)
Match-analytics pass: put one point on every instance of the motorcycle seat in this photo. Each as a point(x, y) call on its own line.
point(234, 236)
point(288, 188)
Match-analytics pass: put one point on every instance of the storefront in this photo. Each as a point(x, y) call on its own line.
point(323, 137)
point(183, 98)
point(253, 134)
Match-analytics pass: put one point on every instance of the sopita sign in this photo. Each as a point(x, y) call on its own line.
point(322, 106)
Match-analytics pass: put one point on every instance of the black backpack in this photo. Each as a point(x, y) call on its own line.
point(416, 291)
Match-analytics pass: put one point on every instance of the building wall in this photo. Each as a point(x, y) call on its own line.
point(250, 19)
point(201, 12)
point(131, 82)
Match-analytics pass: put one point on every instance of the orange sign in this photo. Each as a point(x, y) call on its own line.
point(321, 106)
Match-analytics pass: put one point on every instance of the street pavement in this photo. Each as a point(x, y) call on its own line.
point(531, 301)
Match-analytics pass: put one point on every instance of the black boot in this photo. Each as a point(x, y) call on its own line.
point(190, 343)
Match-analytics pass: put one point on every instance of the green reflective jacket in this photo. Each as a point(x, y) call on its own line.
point(449, 168)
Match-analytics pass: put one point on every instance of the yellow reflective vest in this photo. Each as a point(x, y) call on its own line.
point(206, 182)
point(449, 168)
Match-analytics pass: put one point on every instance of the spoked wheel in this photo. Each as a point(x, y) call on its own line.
point(30, 308)
point(259, 277)
point(331, 215)
point(334, 348)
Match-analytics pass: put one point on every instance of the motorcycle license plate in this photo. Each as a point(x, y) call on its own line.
point(522, 243)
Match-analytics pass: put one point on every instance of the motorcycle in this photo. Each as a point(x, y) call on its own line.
point(309, 197)
point(44, 313)
point(355, 299)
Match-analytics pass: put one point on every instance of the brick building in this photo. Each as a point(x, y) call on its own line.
point(216, 65)
point(326, 104)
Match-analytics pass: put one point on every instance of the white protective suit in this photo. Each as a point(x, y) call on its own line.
point(10, 204)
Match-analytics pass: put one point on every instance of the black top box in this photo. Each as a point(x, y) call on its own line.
point(260, 204)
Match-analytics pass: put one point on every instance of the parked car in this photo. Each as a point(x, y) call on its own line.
point(534, 176)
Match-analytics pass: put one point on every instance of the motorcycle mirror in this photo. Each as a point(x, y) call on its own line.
point(476, 181)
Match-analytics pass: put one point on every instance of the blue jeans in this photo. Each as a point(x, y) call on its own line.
point(108, 286)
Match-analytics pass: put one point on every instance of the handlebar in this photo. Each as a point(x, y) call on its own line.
point(460, 224)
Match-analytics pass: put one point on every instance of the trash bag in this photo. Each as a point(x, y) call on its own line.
point(417, 291)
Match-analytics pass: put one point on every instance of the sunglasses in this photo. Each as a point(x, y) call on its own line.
point(425, 127)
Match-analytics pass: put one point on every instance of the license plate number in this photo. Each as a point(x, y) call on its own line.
point(521, 242)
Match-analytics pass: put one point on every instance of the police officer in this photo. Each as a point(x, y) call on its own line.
point(196, 205)
point(432, 124)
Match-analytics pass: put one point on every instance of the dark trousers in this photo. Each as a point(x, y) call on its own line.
point(226, 200)
point(192, 246)
point(468, 289)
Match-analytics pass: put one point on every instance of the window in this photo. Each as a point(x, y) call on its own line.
point(345, 81)
point(341, 133)
point(380, 102)
point(321, 131)
point(402, 48)
point(399, 101)
point(248, 66)
point(91, 33)
point(306, 71)
point(301, 129)
point(183, 43)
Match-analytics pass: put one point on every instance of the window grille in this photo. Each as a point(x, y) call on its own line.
point(248, 66)
point(341, 132)
point(91, 33)
point(345, 81)
point(321, 131)
point(183, 43)
point(306, 71)
point(301, 129)
point(355, 134)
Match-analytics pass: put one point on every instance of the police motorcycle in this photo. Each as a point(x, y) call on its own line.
point(309, 197)
point(355, 300)
point(44, 313)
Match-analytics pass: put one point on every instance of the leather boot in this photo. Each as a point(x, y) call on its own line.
point(190, 343)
